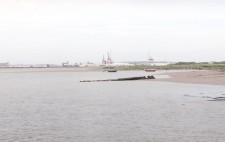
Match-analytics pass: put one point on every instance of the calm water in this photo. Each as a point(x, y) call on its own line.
point(56, 107)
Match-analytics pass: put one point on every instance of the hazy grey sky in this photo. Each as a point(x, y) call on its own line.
point(53, 31)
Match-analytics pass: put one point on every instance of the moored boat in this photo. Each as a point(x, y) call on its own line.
point(150, 70)
point(112, 70)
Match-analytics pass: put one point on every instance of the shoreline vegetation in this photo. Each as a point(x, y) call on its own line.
point(218, 66)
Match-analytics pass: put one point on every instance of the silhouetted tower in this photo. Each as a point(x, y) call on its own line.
point(150, 60)
point(103, 60)
point(109, 59)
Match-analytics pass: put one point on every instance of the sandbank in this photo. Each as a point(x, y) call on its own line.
point(195, 77)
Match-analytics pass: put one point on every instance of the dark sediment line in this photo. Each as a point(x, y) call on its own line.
point(123, 79)
point(218, 99)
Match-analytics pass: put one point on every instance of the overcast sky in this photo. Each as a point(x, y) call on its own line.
point(54, 31)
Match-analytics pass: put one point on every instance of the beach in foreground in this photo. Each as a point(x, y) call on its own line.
point(196, 77)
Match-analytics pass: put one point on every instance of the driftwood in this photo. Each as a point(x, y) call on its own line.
point(123, 79)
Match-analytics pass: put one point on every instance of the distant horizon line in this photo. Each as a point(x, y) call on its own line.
point(138, 61)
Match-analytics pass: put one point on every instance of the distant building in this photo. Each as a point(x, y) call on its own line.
point(4, 65)
point(52, 66)
point(153, 63)
point(66, 64)
point(34, 66)
point(21, 66)
point(107, 61)
point(150, 61)
point(41, 66)
point(87, 64)
point(120, 64)
point(160, 63)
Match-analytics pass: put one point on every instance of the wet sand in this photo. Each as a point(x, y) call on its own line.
point(196, 77)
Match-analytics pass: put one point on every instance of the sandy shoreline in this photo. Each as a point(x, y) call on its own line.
point(196, 77)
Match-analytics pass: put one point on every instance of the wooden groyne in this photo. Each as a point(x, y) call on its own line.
point(123, 79)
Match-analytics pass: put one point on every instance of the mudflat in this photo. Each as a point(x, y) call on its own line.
point(196, 77)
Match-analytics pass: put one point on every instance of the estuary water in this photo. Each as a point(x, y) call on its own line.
point(56, 107)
